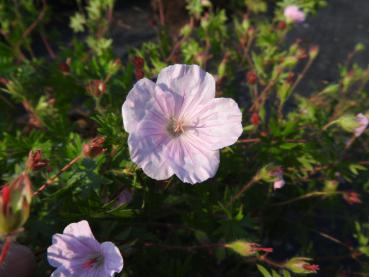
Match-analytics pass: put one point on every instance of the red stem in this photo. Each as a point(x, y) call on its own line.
point(5, 249)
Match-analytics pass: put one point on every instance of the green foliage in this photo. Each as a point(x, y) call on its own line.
point(48, 102)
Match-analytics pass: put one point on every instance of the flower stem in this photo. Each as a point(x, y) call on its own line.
point(5, 249)
point(51, 180)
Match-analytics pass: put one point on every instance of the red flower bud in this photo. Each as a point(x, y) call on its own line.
point(282, 25)
point(5, 197)
point(352, 197)
point(311, 267)
point(138, 62)
point(64, 68)
point(35, 161)
point(94, 147)
point(255, 119)
point(4, 81)
point(139, 74)
point(251, 77)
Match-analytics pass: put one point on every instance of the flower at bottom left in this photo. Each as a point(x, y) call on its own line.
point(76, 253)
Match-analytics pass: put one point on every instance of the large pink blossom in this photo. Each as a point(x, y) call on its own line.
point(363, 124)
point(294, 14)
point(177, 126)
point(77, 253)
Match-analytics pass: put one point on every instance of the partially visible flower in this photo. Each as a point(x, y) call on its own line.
point(301, 265)
point(363, 124)
point(176, 126)
point(35, 161)
point(351, 197)
point(245, 248)
point(278, 181)
point(294, 14)
point(76, 252)
point(94, 148)
point(15, 201)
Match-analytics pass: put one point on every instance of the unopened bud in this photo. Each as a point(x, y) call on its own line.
point(15, 201)
point(138, 62)
point(245, 248)
point(96, 88)
point(348, 122)
point(64, 68)
point(4, 81)
point(351, 197)
point(301, 265)
point(35, 161)
point(255, 119)
point(313, 52)
point(282, 25)
point(251, 77)
point(94, 147)
point(139, 74)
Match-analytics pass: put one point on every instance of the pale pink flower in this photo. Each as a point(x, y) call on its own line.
point(77, 253)
point(177, 126)
point(294, 14)
point(363, 124)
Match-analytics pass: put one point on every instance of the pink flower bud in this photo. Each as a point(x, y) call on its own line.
point(35, 161)
point(94, 147)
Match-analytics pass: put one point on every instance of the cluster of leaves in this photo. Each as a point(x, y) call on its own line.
point(57, 98)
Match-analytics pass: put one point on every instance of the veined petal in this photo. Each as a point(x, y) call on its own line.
point(191, 162)
point(190, 82)
point(113, 261)
point(135, 106)
point(146, 148)
point(217, 124)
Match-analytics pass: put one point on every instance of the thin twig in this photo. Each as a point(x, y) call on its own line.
point(51, 180)
point(245, 188)
point(306, 196)
point(50, 51)
point(34, 24)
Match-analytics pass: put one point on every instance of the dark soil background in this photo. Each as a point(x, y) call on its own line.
point(336, 29)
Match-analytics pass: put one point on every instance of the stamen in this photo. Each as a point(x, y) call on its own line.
point(175, 128)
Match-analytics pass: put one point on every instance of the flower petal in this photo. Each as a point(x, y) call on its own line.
point(217, 124)
point(79, 229)
point(190, 82)
point(113, 261)
point(68, 251)
point(192, 162)
point(135, 106)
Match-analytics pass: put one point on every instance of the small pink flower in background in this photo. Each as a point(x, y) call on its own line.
point(77, 253)
point(177, 126)
point(363, 124)
point(294, 14)
point(279, 181)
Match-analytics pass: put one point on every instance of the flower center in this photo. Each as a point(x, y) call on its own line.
point(94, 261)
point(175, 127)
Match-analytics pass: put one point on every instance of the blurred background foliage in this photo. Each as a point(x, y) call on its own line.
point(64, 79)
